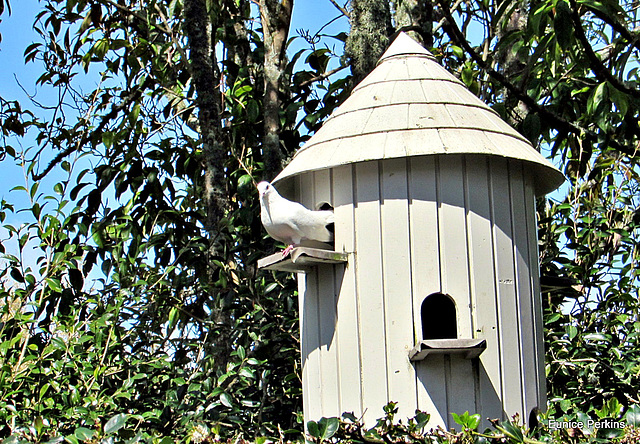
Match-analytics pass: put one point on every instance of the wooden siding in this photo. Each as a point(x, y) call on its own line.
point(462, 226)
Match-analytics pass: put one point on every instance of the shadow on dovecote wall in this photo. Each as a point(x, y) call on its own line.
point(449, 370)
point(323, 300)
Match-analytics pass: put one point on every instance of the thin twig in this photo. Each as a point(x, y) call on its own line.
point(342, 9)
point(181, 50)
point(444, 19)
point(115, 111)
point(322, 76)
point(596, 64)
point(559, 122)
point(132, 12)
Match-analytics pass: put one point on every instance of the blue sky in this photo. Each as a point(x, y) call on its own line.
point(18, 33)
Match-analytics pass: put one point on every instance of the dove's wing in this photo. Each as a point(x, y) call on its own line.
point(314, 225)
point(292, 223)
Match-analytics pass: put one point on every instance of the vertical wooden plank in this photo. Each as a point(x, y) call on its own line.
point(322, 189)
point(453, 239)
point(534, 268)
point(432, 390)
point(460, 387)
point(313, 362)
point(347, 314)
point(327, 296)
point(483, 290)
point(508, 323)
point(310, 313)
point(396, 266)
point(328, 350)
point(423, 225)
point(306, 189)
point(455, 275)
point(523, 286)
point(425, 280)
point(305, 349)
point(370, 293)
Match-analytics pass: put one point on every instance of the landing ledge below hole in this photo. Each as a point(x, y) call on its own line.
point(470, 348)
point(301, 259)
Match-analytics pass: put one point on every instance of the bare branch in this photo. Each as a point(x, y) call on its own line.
point(322, 76)
point(342, 9)
point(456, 5)
point(181, 50)
point(630, 35)
point(596, 65)
point(559, 122)
point(135, 94)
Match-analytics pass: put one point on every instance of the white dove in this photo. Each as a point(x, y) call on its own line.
point(290, 222)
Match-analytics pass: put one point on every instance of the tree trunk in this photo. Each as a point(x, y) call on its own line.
point(509, 63)
point(206, 79)
point(369, 36)
point(415, 17)
point(276, 19)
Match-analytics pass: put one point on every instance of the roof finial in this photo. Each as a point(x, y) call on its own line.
point(404, 45)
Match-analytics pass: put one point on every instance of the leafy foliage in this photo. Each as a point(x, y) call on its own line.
point(135, 306)
point(389, 430)
point(132, 308)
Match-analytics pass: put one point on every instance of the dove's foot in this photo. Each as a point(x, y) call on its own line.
point(287, 250)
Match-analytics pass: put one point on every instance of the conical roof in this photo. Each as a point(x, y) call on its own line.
point(409, 105)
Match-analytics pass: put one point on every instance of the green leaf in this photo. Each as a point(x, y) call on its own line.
point(85, 23)
point(253, 111)
point(512, 431)
point(135, 113)
point(314, 429)
point(572, 331)
point(598, 98)
point(467, 76)
point(83, 433)
point(247, 373)
point(323, 429)
point(173, 318)
point(474, 421)
point(609, 433)
point(16, 275)
point(226, 400)
point(562, 24)
point(34, 190)
point(596, 337)
point(422, 419)
point(244, 181)
point(54, 284)
point(38, 423)
point(107, 138)
point(633, 415)
point(332, 425)
point(115, 423)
